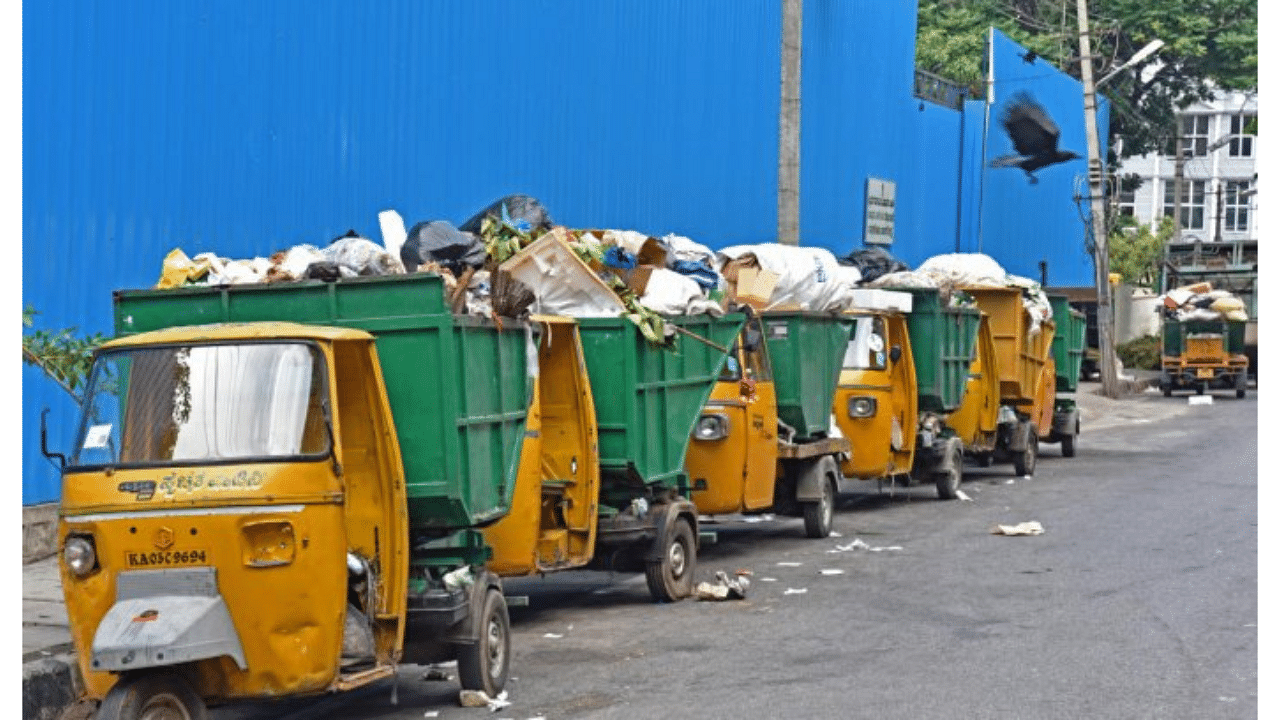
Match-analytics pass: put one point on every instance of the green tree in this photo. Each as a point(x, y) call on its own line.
point(1208, 44)
point(63, 355)
point(1136, 252)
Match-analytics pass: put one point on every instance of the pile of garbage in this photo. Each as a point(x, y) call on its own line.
point(952, 272)
point(1201, 302)
point(511, 259)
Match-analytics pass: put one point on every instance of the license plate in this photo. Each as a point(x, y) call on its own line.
point(1204, 373)
point(166, 558)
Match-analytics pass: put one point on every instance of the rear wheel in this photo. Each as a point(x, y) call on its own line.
point(819, 514)
point(1024, 463)
point(1241, 384)
point(948, 480)
point(1068, 446)
point(155, 696)
point(1167, 390)
point(671, 578)
point(485, 664)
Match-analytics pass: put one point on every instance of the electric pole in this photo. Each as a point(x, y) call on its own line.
point(1097, 211)
point(789, 125)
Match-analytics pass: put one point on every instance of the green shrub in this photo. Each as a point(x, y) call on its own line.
point(1141, 353)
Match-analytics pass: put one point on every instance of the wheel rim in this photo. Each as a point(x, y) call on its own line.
point(164, 706)
point(497, 650)
point(676, 559)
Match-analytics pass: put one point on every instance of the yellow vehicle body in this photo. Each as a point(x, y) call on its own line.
point(737, 472)
point(1024, 359)
point(276, 536)
point(553, 519)
point(884, 442)
point(974, 422)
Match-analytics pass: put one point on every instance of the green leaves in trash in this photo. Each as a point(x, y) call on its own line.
point(650, 323)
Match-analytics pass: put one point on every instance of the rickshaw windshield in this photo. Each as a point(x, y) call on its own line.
point(204, 403)
point(866, 350)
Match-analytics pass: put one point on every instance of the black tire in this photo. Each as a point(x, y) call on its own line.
point(1200, 388)
point(155, 696)
point(1024, 463)
point(485, 664)
point(948, 481)
point(1068, 446)
point(1241, 384)
point(819, 514)
point(671, 578)
point(1167, 390)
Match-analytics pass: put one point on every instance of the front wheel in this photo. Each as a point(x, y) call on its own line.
point(671, 578)
point(819, 514)
point(155, 696)
point(484, 665)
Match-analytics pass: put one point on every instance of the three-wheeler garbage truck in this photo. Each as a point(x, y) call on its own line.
point(1201, 355)
point(1068, 355)
point(1027, 377)
point(905, 370)
point(277, 490)
point(763, 440)
point(602, 482)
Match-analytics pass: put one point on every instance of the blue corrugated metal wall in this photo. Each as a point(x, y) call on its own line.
point(244, 128)
point(1023, 224)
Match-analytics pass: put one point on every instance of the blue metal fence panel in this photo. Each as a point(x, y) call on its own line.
point(244, 127)
point(1024, 224)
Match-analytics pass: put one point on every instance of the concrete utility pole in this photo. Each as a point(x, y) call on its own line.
point(1101, 261)
point(1178, 162)
point(789, 125)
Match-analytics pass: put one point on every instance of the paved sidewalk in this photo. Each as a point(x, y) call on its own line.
point(50, 680)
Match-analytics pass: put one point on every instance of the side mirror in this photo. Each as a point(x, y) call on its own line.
point(44, 441)
point(895, 353)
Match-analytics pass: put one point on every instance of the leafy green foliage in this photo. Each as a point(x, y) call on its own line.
point(1140, 353)
point(1208, 43)
point(63, 354)
point(1135, 252)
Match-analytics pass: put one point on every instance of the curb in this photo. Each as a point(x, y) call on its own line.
point(49, 687)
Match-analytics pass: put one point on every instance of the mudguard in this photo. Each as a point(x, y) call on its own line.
point(165, 617)
point(810, 479)
point(671, 512)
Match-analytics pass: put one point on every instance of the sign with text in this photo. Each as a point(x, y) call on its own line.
point(878, 221)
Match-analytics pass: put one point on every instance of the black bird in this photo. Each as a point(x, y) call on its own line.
point(1034, 136)
point(1029, 57)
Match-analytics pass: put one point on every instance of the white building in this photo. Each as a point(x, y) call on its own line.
point(1219, 174)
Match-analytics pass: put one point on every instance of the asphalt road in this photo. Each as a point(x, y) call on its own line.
point(1140, 600)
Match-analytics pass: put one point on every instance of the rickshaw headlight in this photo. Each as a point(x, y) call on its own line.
point(711, 427)
point(860, 407)
point(79, 555)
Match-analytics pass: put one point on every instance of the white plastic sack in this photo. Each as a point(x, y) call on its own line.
point(670, 293)
point(965, 269)
point(905, 278)
point(238, 272)
point(364, 256)
point(808, 277)
point(297, 259)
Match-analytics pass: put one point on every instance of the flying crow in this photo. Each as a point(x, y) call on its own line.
point(1034, 136)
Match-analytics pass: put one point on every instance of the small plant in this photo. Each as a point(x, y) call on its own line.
point(62, 354)
point(1140, 353)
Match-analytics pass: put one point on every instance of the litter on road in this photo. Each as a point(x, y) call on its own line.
point(796, 591)
point(723, 588)
point(831, 571)
point(1030, 527)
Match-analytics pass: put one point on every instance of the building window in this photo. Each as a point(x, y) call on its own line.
point(1192, 203)
point(1241, 144)
point(1195, 135)
point(1126, 202)
point(1235, 204)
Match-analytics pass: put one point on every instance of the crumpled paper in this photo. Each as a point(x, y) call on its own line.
point(1031, 527)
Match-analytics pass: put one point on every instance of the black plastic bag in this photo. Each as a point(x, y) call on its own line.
point(873, 262)
point(439, 241)
point(520, 211)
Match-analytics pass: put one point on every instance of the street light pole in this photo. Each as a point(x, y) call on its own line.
point(1101, 261)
